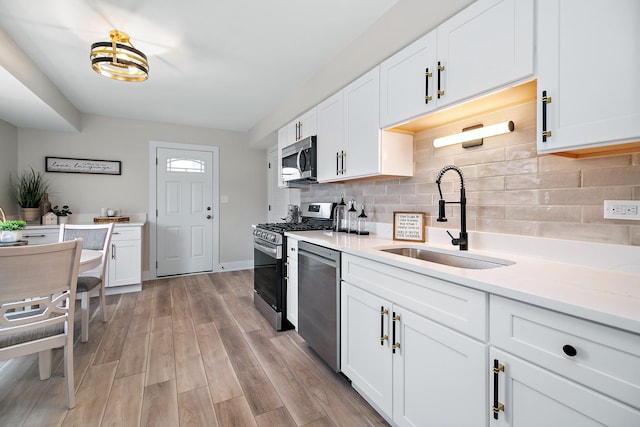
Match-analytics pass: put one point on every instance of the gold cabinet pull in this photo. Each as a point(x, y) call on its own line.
point(427, 76)
point(440, 92)
point(395, 318)
point(383, 337)
point(545, 100)
point(497, 406)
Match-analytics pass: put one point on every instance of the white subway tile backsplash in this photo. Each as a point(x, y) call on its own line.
point(510, 188)
point(543, 180)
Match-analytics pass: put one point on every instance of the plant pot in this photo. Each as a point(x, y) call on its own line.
point(63, 219)
point(10, 236)
point(30, 215)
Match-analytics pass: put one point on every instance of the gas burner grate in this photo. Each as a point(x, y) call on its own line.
point(281, 227)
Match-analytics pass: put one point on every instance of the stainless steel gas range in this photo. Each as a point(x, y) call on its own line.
point(269, 247)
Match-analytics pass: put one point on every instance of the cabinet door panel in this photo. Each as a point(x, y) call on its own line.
point(124, 263)
point(363, 359)
point(588, 64)
point(534, 397)
point(486, 46)
point(403, 82)
point(439, 375)
point(292, 281)
point(282, 143)
point(330, 136)
point(302, 127)
point(362, 125)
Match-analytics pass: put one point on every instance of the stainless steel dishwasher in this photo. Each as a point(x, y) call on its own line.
point(319, 301)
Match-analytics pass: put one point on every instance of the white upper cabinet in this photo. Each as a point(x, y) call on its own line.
point(588, 66)
point(362, 125)
point(485, 47)
point(302, 127)
point(330, 136)
point(283, 141)
point(407, 82)
point(350, 142)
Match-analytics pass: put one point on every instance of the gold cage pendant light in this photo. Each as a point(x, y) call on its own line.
point(118, 59)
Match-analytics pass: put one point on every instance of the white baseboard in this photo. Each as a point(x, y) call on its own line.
point(237, 265)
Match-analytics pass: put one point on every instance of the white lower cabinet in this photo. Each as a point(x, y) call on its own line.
point(533, 397)
point(559, 370)
point(41, 235)
point(124, 266)
point(415, 371)
point(292, 281)
point(426, 352)
point(438, 373)
point(366, 356)
point(125, 257)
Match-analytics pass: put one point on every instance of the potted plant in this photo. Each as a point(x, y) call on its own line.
point(10, 230)
point(62, 213)
point(30, 187)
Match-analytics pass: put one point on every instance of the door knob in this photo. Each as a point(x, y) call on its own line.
point(208, 208)
point(209, 217)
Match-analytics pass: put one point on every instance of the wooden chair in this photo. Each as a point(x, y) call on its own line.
point(95, 237)
point(37, 300)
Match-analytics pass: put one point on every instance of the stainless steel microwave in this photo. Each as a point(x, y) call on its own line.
point(299, 162)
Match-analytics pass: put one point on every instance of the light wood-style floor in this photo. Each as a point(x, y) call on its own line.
point(185, 351)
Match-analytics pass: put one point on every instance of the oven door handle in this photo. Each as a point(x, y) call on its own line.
point(273, 252)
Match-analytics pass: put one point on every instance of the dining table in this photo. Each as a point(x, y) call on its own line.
point(89, 259)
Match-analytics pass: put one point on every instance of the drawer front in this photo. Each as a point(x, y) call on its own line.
point(603, 358)
point(41, 237)
point(126, 233)
point(449, 304)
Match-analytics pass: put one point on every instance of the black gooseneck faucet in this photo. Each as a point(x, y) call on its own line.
point(462, 240)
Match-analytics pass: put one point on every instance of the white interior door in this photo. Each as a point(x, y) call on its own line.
point(184, 211)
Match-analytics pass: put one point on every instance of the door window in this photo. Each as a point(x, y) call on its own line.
point(185, 165)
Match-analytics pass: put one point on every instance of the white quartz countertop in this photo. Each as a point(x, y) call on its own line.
point(55, 226)
point(136, 220)
point(602, 295)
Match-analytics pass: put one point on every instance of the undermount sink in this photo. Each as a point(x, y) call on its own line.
point(476, 263)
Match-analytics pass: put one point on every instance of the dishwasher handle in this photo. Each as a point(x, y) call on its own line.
point(327, 261)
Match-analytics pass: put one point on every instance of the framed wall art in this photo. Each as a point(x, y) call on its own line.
point(408, 226)
point(71, 165)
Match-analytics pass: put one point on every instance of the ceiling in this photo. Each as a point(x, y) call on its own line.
point(221, 64)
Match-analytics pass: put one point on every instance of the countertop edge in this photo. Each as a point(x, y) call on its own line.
point(544, 283)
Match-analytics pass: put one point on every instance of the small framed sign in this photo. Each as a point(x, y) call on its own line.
point(408, 226)
point(70, 165)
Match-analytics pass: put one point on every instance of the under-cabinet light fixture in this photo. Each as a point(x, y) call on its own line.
point(118, 59)
point(475, 134)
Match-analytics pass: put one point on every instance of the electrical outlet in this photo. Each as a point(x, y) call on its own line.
point(622, 209)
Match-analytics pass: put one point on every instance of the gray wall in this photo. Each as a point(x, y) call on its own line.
point(405, 22)
point(8, 165)
point(242, 171)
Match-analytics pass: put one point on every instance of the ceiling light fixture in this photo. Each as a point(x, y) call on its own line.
point(118, 59)
point(472, 136)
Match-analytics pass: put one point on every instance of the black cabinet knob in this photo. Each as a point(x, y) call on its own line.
point(569, 350)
